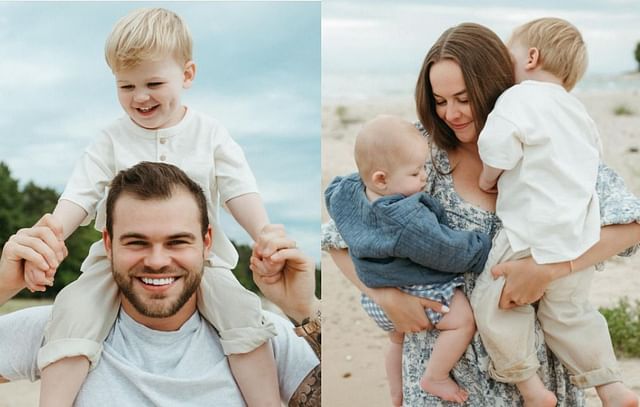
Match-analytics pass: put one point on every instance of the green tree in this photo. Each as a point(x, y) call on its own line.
point(22, 208)
point(11, 214)
point(638, 54)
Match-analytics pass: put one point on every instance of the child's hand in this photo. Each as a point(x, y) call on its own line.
point(36, 279)
point(270, 240)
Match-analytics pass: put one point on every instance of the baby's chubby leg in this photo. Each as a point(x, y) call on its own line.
point(256, 375)
point(393, 366)
point(456, 331)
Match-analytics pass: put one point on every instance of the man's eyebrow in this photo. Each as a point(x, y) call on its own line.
point(132, 235)
point(455, 94)
point(183, 235)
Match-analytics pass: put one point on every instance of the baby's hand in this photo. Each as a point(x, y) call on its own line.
point(36, 279)
point(271, 239)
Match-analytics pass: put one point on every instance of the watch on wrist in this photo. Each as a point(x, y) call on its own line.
point(309, 326)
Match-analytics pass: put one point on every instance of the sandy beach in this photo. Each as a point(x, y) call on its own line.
point(353, 371)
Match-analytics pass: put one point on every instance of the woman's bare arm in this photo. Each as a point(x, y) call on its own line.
point(525, 281)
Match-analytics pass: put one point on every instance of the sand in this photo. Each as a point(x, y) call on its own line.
point(353, 371)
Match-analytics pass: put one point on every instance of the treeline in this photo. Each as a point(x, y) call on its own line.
point(22, 207)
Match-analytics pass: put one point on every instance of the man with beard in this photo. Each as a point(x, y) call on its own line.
point(160, 351)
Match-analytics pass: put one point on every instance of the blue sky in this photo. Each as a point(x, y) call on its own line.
point(258, 72)
point(369, 44)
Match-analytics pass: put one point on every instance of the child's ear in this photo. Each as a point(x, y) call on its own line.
point(189, 74)
point(533, 57)
point(379, 179)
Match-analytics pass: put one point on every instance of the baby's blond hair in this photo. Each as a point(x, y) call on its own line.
point(383, 143)
point(146, 34)
point(562, 50)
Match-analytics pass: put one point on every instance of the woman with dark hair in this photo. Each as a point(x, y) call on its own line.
point(461, 78)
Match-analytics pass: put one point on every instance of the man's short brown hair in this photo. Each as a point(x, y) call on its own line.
point(149, 180)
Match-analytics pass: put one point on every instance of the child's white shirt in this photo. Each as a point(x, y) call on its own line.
point(198, 145)
point(550, 149)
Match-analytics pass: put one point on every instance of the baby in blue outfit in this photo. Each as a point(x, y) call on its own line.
point(398, 237)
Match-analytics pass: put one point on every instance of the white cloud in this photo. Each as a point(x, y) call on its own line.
point(270, 113)
point(16, 72)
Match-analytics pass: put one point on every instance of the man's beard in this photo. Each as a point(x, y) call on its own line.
point(159, 307)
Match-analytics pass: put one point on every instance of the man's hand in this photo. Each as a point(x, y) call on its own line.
point(292, 288)
point(41, 246)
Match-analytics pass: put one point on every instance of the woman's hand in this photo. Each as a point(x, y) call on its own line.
point(525, 281)
point(404, 310)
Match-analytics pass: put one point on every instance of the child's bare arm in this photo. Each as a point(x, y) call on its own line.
point(248, 210)
point(70, 215)
point(488, 178)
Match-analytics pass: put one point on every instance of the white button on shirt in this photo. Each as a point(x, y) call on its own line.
point(199, 145)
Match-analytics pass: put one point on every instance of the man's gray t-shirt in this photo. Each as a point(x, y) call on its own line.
point(140, 366)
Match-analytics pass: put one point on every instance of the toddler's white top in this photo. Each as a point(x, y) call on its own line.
point(198, 145)
point(549, 148)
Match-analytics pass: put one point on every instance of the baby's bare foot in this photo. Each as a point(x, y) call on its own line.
point(445, 388)
point(617, 395)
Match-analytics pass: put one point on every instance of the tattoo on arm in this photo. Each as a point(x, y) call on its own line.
point(309, 392)
point(314, 341)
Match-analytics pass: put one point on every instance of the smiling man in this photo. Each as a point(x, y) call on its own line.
point(160, 351)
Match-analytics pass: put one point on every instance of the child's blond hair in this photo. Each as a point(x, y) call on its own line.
point(560, 45)
point(145, 34)
point(383, 143)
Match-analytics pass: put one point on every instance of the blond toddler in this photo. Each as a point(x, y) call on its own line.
point(542, 145)
point(150, 54)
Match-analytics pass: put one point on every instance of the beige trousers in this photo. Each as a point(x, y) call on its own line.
point(85, 310)
point(573, 329)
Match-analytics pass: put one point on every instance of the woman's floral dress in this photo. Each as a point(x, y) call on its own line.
point(617, 205)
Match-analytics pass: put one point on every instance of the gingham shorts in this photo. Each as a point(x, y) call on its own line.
point(441, 293)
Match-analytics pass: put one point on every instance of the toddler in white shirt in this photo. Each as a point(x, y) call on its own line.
point(149, 52)
point(549, 149)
